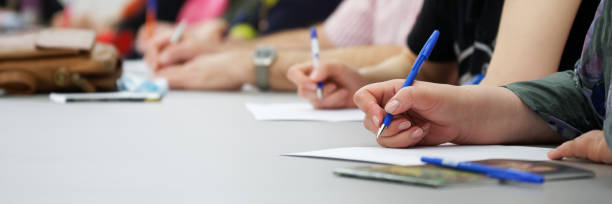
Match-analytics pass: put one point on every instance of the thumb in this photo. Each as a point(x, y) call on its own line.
point(412, 97)
point(321, 72)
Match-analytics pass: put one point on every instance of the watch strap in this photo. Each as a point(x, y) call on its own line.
point(261, 77)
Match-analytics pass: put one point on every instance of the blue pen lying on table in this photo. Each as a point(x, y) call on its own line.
point(423, 55)
point(314, 47)
point(490, 171)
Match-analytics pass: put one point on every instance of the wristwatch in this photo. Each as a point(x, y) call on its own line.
point(263, 57)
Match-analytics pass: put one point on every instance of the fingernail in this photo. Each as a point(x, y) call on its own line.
point(392, 106)
point(417, 133)
point(404, 125)
point(376, 120)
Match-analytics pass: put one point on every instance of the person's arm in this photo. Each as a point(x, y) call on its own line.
point(530, 40)
point(432, 114)
point(362, 56)
point(230, 70)
point(560, 102)
point(540, 111)
point(163, 54)
point(291, 39)
point(399, 66)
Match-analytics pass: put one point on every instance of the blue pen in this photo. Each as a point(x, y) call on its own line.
point(477, 79)
point(314, 47)
point(490, 171)
point(423, 55)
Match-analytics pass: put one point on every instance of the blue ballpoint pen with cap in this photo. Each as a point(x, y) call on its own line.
point(422, 57)
point(314, 47)
point(490, 171)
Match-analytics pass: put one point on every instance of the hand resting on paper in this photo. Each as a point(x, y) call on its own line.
point(432, 114)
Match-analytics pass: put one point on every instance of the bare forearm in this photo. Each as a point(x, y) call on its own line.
point(498, 116)
point(530, 40)
point(353, 56)
point(298, 39)
point(399, 66)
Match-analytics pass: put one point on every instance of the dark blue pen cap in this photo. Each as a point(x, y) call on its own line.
point(429, 45)
point(313, 32)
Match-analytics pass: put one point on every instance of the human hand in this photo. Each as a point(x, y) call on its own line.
point(590, 145)
point(143, 42)
point(223, 71)
point(425, 113)
point(340, 83)
point(199, 39)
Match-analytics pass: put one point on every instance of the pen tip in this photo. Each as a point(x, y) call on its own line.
point(319, 93)
point(380, 130)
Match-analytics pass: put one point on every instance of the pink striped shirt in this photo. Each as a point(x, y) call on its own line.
point(372, 22)
point(196, 11)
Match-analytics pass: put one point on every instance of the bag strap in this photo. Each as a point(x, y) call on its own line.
point(17, 82)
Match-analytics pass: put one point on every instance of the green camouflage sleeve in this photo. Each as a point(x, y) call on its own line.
point(558, 99)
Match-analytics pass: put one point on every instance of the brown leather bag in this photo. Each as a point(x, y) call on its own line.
point(57, 60)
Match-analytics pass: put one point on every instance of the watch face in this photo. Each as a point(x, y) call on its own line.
point(264, 56)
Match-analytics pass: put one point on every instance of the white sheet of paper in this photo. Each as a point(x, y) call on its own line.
point(138, 68)
point(413, 156)
point(302, 112)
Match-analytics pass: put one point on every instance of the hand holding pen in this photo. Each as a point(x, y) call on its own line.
point(422, 57)
point(341, 81)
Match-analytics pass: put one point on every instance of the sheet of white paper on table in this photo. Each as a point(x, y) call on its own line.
point(302, 111)
point(138, 68)
point(413, 156)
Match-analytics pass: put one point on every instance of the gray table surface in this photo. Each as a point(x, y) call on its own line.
point(205, 147)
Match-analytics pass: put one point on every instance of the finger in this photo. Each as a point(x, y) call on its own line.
point(157, 45)
point(176, 54)
point(311, 97)
point(367, 99)
point(159, 41)
point(321, 72)
point(375, 93)
point(567, 149)
point(590, 145)
point(150, 58)
point(329, 88)
point(413, 97)
point(304, 92)
point(328, 101)
point(335, 99)
point(373, 118)
point(397, 125)
point(298, 75)
point(407, 138)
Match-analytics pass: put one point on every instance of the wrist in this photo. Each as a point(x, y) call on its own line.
point(248, 67)
point(242, 66)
